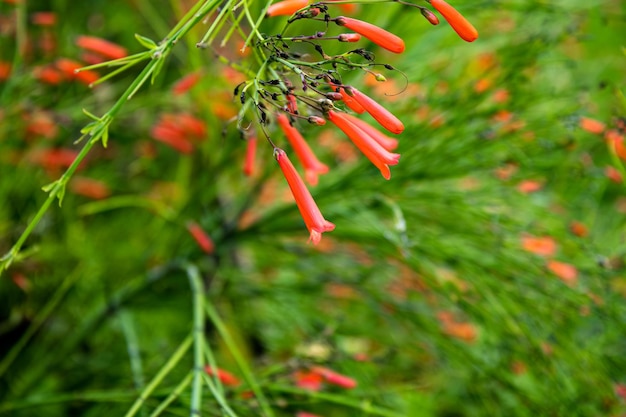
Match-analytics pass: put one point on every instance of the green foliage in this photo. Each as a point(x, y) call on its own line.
point(425, 293)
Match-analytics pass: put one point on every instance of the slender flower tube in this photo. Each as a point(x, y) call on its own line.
point(378, 155)
point(351, 102)
point(312, 166)
point(379, 36)
point(385, 141)
point(378, 112)
point(460, 24)
point(248, 167)
point(313, 219)
point(286, 7)
point(203, 240)
point(101, 46)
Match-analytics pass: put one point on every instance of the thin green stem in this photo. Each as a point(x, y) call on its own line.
point(241, 363)
point(197, 288)
point(160, 376)
point(219, 397)
point(41, 317)
point(132, 347)
point(174, 394)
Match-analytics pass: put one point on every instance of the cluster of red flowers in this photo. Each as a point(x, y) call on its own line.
point(326, 98)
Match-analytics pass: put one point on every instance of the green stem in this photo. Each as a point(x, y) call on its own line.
point(197, 289)
point(132, 347)
point(160, 376)
point(41, 317)
point(241, 363)
point(175, 393)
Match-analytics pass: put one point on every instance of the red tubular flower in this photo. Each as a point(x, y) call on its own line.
point(201, 237)
point(379, 36)
point(286, 7)
point(69, 67)
point(385, 141)
point(378, 112)
point(248, 167)
point(101, 46)
point(313, 219)
point(335, 378)
point(378, 155)
point(460, 24)
point(225, 377)
point(351, 102)
point(186, 83)
point(312, 166)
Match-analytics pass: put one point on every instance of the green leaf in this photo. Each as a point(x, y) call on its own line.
point(146, 42)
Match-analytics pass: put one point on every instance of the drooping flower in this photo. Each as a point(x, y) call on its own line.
point(460, 24)
point(385, 141)
point(378, 35)
point(313, 219)
point(378, 155)
point(351, 102)
point(312, 166)
point(378, 112)
point(203, 240)
point(101, 46)
point(286, 7)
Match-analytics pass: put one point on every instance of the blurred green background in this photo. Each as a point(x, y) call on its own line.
point(442, 292)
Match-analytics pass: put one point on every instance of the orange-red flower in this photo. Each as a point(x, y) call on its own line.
point(459, 23)
point(566, 272)
point(378, 155)
point(90, 188)
point(69, 67)
point(186, 83)
point(313, 219)
point(379, 36)
point(308, 380)
point(248, 167)
point(102, 46)
point(177, 131)
point(203, 240)
point(334, 378)
point(5, 70)
point(592, 125)
point(385, 141)
point(312, 166)
point(542, 246)
point(378, 112)
point(44, 18)
point(225, 377)
point(286, 7)
point(351, 102)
